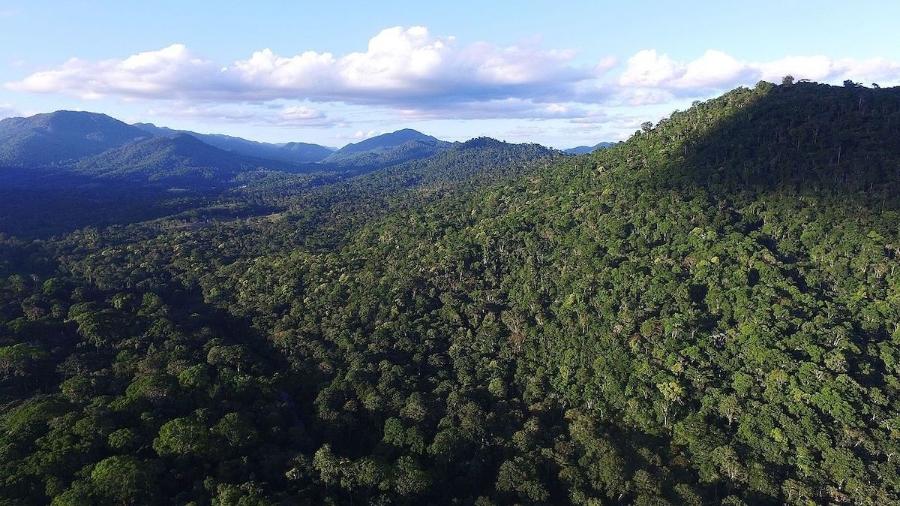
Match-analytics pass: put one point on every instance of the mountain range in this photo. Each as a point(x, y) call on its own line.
point(92, 144)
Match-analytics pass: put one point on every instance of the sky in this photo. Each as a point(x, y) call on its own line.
point(559, 73)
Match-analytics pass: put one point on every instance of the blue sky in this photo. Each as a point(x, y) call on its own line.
point(559, 73)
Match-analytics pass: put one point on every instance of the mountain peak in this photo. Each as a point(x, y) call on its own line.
point(391, 139)
point(390, 148)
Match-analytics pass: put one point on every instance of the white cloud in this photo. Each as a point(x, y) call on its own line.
point(711, 70)
point(301, 114)
point(650, 76)
point(171, 72)
point(509, 108)
point(7, 111)
point(804, 67)
point(364, 134)
point(275, 115)
point(822, 68)
point(401, 66)
point(647, 68)
point(414, 74)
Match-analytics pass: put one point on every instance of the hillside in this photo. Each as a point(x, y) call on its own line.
point(704, 314)
point(61, 136)
point(291, 152)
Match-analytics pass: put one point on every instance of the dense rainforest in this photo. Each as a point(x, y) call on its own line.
point(707, 313)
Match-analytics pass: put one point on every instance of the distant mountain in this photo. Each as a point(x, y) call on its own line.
point(582, 150)
point(61, 136)
point(293, 152)
point(388, 140)
point(182, 159)
point(388, 149)
point(305, 152)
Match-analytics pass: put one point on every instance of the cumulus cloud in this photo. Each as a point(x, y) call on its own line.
point(7, 111)
point(509, 108)
point(365, 134)
point(171, 72)
point(401, 66)
point(651, 77)
point(273, 115)
point(418, 75)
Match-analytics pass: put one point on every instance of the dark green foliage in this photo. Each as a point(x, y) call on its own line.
point(705, 314)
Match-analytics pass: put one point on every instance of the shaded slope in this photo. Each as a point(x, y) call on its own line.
point(806, 135)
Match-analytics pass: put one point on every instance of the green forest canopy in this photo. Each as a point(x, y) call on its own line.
point(706, 313)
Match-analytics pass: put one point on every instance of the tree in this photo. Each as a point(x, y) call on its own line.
point(124, 479)
point(183, 437)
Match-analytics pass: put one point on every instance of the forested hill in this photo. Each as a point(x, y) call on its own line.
point(704, 314)
point(61, 136)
